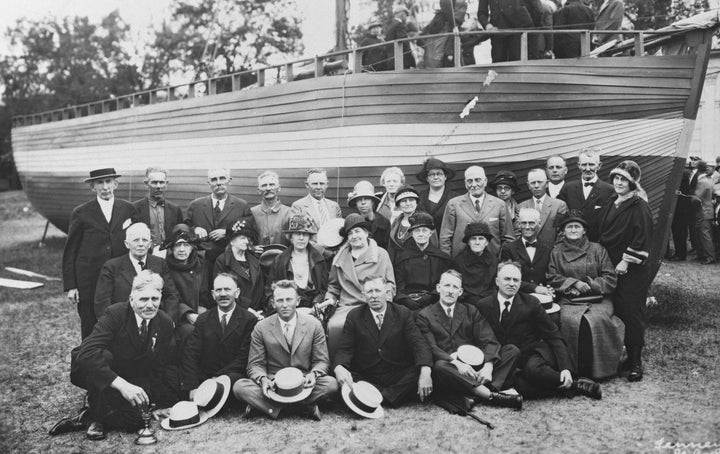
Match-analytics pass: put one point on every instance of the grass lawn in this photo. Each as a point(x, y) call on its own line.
point(676, 402)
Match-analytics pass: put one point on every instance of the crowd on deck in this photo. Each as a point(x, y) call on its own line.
point(463, 299)
point(429, 51)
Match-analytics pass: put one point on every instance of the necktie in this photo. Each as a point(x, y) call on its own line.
point(286, 333)
point(379, 318)
point(142, 265)
point(505, 313)
point(322, 210)
point(530, 244)
point(223, 323)
point(449, 312)
point(143, 331)
point(587, 184)
point(538, 204)
point(216, 212)
point(477, 205)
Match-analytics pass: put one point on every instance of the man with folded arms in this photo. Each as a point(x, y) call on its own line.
point(121, 363)
point(381, 344)
point(220, 342)
point(447, 325)
point(286, 339)
point(520, 320)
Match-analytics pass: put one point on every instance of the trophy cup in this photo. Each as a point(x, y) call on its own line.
point(146, 436)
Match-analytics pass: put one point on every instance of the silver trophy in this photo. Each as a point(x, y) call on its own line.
point(146, 436)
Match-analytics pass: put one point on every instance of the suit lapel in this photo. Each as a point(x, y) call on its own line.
point(458, 316)
point(371, 325)
point(299, 334)
point(232, 324)
point(97, 214)
point(441, 317)
point(115, 218)
point(207, 210)
point(127, 270)
point(388, 320)
point(226, 209)
point(276, 331)
point(133, 331)
point(468, 207)
point(545, 212)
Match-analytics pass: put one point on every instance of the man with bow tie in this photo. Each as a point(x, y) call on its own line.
point(590, 194)
point(532, 254)
point(154, 210)
point(447, 325)
point(122, 362)
point(550, 209)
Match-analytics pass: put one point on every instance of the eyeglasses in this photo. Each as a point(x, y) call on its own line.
point(439, 174)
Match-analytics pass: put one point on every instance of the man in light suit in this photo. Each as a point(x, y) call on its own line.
point(220, 342)
point(210, 216)
point(475, 206)
point(590, 194)
point(550, 209)
point(96, 234)
point(157, 213)
point(532, 255)
point(270, 351)
point(381, 344)
point(315, 204)
point(116, 277)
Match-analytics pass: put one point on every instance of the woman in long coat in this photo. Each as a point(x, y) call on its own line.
point(406, 199)
point(476, 263)
point(626, 227)
point(433, 199)
point(238, 260)
point(581, 271)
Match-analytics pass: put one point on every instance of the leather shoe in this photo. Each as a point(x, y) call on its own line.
point(505, 400)
point(314, 412)
point(636, 373)
point(96, 431)
point(676, 258)
point(68, 424)
point(588, 388)
point(707, 261)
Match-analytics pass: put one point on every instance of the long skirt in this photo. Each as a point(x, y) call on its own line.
point(606, 335)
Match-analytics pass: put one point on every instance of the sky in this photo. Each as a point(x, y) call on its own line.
point(142, 14)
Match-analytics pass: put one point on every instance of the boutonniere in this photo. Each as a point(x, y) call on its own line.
point(154, 341)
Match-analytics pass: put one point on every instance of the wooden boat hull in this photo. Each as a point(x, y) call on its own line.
point(642, 108)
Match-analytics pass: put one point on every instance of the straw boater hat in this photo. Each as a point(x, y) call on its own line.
point(289, 386)
point(99, 174)
point(505, 177)
point(180, 232)
point(406, 192)
point(363, 399)
point(475, 229)
point(363, 189)
point(547, 302)
point(629, 170)
point(470, 355)
point(183, 415)
point(434, 164)
point(212, 394)
point(421, 219)
point(270, 252)
point(573, 216)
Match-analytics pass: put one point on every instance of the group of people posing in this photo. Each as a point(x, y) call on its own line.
point(473, 298)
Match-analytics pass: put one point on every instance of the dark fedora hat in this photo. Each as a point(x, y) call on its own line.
point(573, 216)
point(434, 164)
point(99, 174)
point(505, 177)
point(475, 229)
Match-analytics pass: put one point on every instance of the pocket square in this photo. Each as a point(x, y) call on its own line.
point(597, 207)
point(492, 219)
point(127, 223)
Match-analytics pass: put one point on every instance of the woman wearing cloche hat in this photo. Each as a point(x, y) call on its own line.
point(476, 262)
point(364, 200)
point(433, 199)
point(626, 227)
point(406, 199)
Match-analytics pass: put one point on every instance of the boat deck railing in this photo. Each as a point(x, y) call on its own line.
point(312, 67)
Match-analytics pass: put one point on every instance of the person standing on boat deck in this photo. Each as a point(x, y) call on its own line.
point(439, 51)
point(556, 169)
point(210, 216)
point(115, 281)
point(434, 199)
point(550, 209)
point(575, 15)
point(271, 216)
point(505, 187)
point(96, 234)
point(590, 194)
point(609, 17)
point(374, 59)
point(474, 206)
point(704, 215)
point(315, 204)
point(364, 200)
point(398, 30)
point(391, 179)
point(626, 227)
point(504, 14)
point(154, 210)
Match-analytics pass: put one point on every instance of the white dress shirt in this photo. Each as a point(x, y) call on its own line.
point(106, 206)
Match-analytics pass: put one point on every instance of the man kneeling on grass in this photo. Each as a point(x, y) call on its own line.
point(448, 325)
point(121, 363)
point(519, 319)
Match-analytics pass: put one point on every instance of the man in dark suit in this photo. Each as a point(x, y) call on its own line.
point(544, 360)
point(556, 169)
point(220, 342)
point(683, 217)
point(95, 235)
point(116, 277)
point(286, 339)
point(381, 344)
point(447, 325)
point(121, 363)
point(532, 255)
point(505, 14)
point(590, 194)
point(210, 216)
point(157, 213)
point(550, 209)
point(398, 29)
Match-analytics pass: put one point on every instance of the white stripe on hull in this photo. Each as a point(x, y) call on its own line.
point(377, 145)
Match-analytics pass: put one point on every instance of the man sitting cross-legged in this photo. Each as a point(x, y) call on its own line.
point(448, 325)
